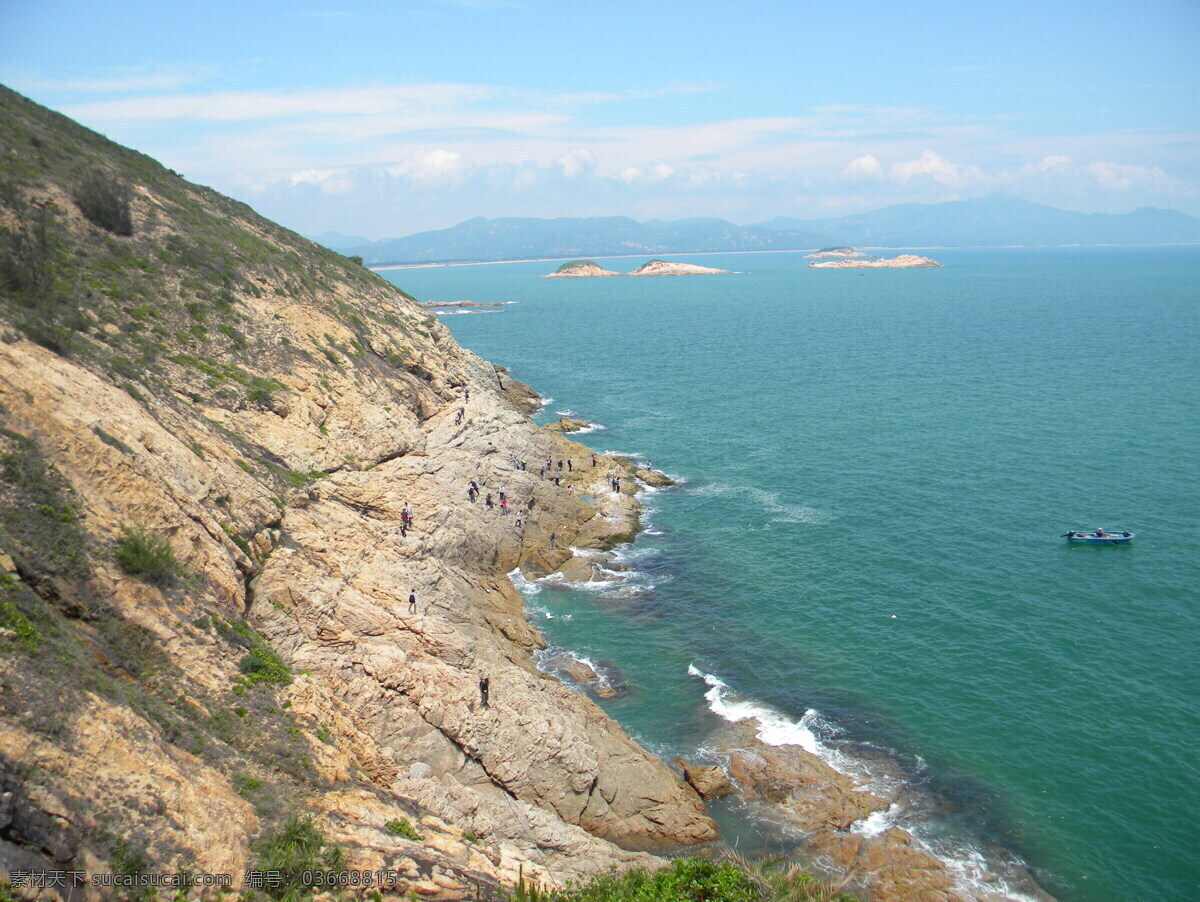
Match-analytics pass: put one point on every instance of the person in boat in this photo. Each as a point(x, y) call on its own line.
point(1099, 533)
point(1126, 533)
point(1070, 533)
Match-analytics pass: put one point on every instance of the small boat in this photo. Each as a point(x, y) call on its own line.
point(1098, 536)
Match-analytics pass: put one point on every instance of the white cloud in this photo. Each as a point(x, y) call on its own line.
point(576, 161)
point(1125, 177)
point(864, 167)
point(928, 163)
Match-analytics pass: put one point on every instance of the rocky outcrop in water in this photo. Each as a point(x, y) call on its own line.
point(903, 261)
point(578, 269)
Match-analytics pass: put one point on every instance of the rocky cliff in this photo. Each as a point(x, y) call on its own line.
point(216, 619)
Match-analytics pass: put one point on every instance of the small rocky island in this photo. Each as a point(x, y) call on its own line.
point(835, 252)
point(451, 305)
point(578, 268)
point(903, 261)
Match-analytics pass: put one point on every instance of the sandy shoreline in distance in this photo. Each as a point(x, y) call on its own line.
point(800, 250)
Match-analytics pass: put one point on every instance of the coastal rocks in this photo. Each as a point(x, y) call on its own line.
point(708, 780)
point(602, 678)
point(567, 424)
point(903, 261)
point(830, 807)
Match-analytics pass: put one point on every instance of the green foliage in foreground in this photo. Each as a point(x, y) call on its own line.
point(142, 554)
point(297, 848)
point(732, 879)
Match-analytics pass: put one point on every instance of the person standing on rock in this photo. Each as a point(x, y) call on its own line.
point(503, 492)
point(593, 461)
point(412, 601)
point(518, 520)
point(472, 491)
point(485, 686)
point(568, 465)
point(553, 539)
point(487, 502)
point(503, 506)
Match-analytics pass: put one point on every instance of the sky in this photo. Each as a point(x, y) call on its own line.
point(381, 119)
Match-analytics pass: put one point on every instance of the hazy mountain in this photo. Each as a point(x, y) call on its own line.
point(997, 220)
point(336, 241)
point(516, 239)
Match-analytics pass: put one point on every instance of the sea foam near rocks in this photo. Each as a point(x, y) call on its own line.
point(774, 728)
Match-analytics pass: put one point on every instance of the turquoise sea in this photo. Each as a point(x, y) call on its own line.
point(877, 466)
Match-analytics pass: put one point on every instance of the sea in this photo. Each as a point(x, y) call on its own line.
point(864, 551)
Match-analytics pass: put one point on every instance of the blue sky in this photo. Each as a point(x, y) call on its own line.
point(387, 118)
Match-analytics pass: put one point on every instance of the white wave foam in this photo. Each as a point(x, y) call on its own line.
point(590, 427)
point(464, 312)
point(876, 823)
point(768, 501)
point(525, 587)
point(773, 727)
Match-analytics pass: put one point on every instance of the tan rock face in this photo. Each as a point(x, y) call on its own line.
point(708, 780)
point(325, 578)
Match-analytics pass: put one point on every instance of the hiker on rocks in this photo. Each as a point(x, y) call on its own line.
point(542, 472)
point(568, 465)
point(458, 417)
point(472, 491)
point(466, 394)
point(406, 516)
point(553, 539)
point(487, 502)
point(503, 506)
point(503, 493)
point(485, 686)
point(519, 524)
point(571, 487)
point(412, 601)
point(593, 461)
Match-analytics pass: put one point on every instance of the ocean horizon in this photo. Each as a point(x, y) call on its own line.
point(864, 552)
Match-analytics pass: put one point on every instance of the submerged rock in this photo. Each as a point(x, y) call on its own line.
point(707, 779)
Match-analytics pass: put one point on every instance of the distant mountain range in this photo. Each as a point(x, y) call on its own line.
point(991, 221)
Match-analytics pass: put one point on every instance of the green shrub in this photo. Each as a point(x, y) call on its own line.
point(684, 880)
point(297, 848)
point(106, 201)
point(402, 827)
point(142, 554)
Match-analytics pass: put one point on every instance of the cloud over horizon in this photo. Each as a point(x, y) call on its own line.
point(388, 121)
point(392, 159)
